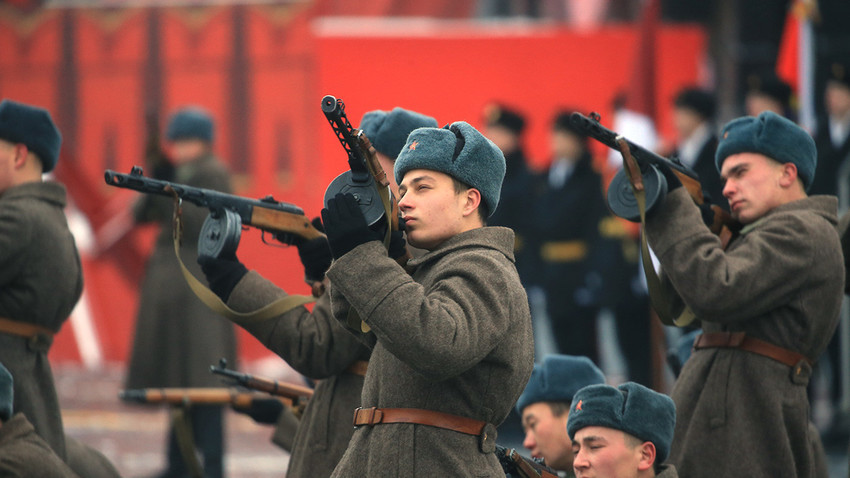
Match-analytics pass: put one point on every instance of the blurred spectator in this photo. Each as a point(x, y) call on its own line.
point(505, 127)
point(177, 337)
point(833, 133)
point(768, 92)
point(567, 211)
point(693, 118)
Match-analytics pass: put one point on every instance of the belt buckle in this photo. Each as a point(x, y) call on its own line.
point(373, 411)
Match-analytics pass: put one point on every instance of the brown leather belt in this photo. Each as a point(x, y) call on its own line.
point(375, 416)
point(739, 340)
point(23, 329)
point(358, 368)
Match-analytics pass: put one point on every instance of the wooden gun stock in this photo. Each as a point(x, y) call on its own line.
point(273, 387)
point(190, 396)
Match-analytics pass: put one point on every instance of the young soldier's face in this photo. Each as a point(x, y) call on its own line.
point(430, 207)
point(753, 185)
point(602, 452)
point(546, 435)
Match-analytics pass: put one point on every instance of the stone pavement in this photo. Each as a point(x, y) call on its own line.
point(133, 437)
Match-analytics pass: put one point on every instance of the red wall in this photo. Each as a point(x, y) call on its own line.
point(286, 61)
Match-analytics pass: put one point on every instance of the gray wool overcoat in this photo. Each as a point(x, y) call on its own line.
point(40, 282)
point(453, 336)
point(781, 281)
point(317, 346)
point(24, 454)
point(177, 337)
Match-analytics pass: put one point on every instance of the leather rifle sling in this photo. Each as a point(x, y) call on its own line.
point(208, 297)
point(657, 293)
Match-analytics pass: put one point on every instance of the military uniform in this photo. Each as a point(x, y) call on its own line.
point(668, 471)
point(24, 454)
point(40, 282)
point(566, 220)
point(177, 337)
point(513, 212)
point(780, 281)
point(453, 337)
point(317, 346)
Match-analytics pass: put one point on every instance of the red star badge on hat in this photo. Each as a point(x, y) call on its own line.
point(413, 145)
point(578, 405)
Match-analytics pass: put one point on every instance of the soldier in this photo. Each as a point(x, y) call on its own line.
point(315, 344)
point(40, 272)
point(22, 452)
point(768, 303)
point(622, 432)
point(545, 406)
point(833, 133)
point(768, 92)
point(693, 119)
point(505, 128)
point(452, 332)
point(566, 213)
point(177, 337)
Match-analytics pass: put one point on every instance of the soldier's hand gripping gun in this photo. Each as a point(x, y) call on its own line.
point(622, 201)
point(518, 466)
point(366, 180)
point(222, 229)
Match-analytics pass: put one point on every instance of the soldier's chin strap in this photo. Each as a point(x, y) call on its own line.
point(657, 294)
point(208, 297)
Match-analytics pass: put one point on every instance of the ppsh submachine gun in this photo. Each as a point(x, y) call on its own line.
point(222, 229)
point(366, 180)
point(621, 199)
point(518, 466)
point(641, 186)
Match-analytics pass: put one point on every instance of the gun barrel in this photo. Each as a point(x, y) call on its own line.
point(592, 127)
point(330, 105)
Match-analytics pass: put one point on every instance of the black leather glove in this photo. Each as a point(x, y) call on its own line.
point(263, 410)
point(398, 246)
point(673, 181)
point(345, 225)
point(222, 273)
point(315, 255)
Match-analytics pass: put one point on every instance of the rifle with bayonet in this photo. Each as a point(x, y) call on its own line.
point(518, 466)
point(228, 213)
point(620, 197)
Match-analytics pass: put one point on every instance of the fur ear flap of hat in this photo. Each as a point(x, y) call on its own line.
point(558, 378)
point(33, 127)
point(773, 136)
point(191, 122)
point(632, 408)
point(388, 131)
point(6, 393)
point(460, 151)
